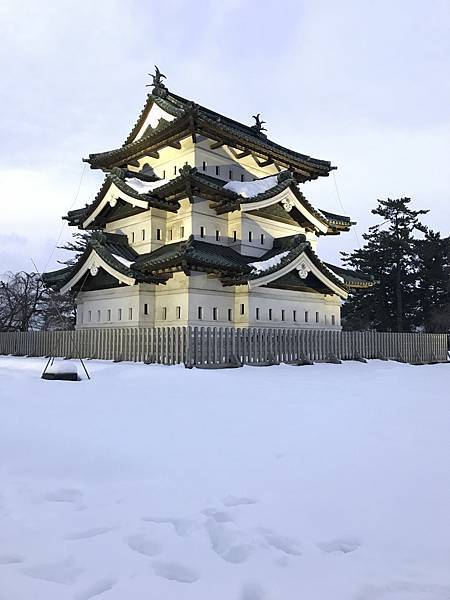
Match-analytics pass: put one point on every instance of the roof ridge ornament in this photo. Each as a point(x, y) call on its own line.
point(159, 88)
point(258, 126)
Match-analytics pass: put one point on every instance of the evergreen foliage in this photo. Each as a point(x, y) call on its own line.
point(412, 274)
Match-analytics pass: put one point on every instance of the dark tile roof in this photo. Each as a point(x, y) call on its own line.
point(110, 247)
point(193, 253)
point(193, 118)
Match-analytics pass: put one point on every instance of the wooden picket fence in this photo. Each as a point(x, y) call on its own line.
point(216, 346)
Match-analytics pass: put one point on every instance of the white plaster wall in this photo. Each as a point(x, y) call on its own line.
point(205, 291)
point(224, 159)
point(170, 160)
point(124, 298)
point(326, 307)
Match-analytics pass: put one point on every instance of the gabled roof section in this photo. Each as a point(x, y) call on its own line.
point(189, 118)
point(283, 189)
point(107, 251)
point(136, 189)
point(289, 254)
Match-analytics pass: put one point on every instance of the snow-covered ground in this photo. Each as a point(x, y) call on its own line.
point(328, 482)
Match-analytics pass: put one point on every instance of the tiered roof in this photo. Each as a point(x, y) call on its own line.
point(189, 118)
point(141, 192)
point(125, 192)
point(232, 268)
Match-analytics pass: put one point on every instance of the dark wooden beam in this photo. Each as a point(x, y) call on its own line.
point(176, 145)
point(238, 154)
point(153, 153)
point(216, 145)
point(262, 161)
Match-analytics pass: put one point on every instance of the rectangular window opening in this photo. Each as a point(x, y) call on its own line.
point(175, 170)
point(270, 314)
point(89, 316)
point(200, 312)
point(202, 232)
point(242, 176)
point(333, 320)
point(143, 234)
point(242, 309)
point(158, 234)
point(306, 316)
point(182, 232)
point(99, 314)
point(250, 236)
point(130, 314)
point(230, 174)
point(217, 235)
point(119, 314)
point(132, 237)
point(108, 314)
point(204, 166)
point(230, 314)
point(164, 313)
point(145, 309)
point(317, 317)
point(170, 235)
point(217, 170)
point(262, 239)
point(234, 236)
point(215, 313)
point(257, 314)
point(294, 316)
point(178, 312)
point(283, 314)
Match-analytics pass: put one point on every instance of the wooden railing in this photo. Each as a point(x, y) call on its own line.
point(211, 346)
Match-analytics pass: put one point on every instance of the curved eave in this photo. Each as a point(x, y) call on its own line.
point(112, 190)
point(352, 279)
point(191, 122)
point(301, 255)
point(159, 137)
point(95, 260)
point(314, 266)
point(285, 193)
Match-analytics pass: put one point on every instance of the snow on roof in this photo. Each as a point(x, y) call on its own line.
point(144, 187)
point(249, 189)
point(265, 265)
point(123, 260)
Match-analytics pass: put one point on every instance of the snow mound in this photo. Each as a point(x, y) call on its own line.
point(144, 187)
point(265, 265)
point(250, 189)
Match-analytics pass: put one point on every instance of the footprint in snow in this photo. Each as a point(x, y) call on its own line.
point(88, 533)
point(64, 495)
point(183, 527)
point(219, 516)
point(238, 501)
point(10, 559)
point(286, 544)
point(97, 588)
point(344, 545)
point(175, 572)
point(227, 543)
point(252, 591)
point(61, 572)
point(142, 544)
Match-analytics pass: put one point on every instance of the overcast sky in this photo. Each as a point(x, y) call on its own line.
point(362, 83)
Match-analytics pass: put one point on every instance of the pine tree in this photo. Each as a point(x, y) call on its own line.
point(77, 245)
point(433, 269)
point(389, 254)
